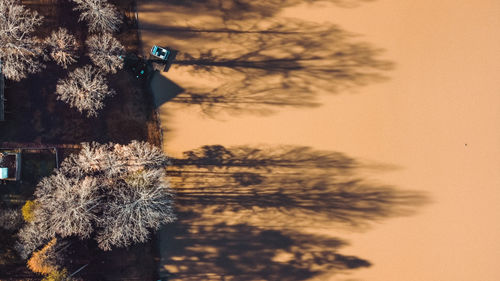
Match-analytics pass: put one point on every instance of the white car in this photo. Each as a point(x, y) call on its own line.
point(159, 52)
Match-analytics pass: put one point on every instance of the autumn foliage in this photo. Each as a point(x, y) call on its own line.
point(42, 261)
point(28, 210)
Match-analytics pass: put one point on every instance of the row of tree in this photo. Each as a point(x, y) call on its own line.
point(21, 51)
point(115, 194)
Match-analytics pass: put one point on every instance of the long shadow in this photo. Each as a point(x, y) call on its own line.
point(285, 186)
point(242, 212)
point(244, 97)
point(244, 252)
point(285, 64)
point(233, 10)
point(295, 49)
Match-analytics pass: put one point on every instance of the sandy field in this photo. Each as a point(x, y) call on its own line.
point(430, 126)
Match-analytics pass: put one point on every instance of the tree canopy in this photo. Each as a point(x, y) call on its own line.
point(19, 48)
point(114, 193)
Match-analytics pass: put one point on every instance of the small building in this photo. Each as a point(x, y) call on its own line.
point(10, 165)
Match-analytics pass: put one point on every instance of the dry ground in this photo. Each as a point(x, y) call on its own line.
point(247, 211)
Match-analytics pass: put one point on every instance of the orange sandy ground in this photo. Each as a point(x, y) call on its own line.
point(436, 119)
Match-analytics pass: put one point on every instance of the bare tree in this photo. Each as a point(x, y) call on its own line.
point(93, 159)
point(141, 154)
point(106, 52)
point(113, 160)
point(117, 192)
point(19, 49)
point(100, 15)
point(139, 203)
point(72, 200)
point(85, 89)
point(31, 236)
point(62, 47)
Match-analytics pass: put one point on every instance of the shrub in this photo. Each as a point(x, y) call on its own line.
point(43, 261)
point(57, 275)
point(28, 210)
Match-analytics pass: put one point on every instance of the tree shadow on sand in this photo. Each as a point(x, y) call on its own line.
point(243, 252)
point(276, 64)
point(242, 211)
point(233, 10)
point(284, 186)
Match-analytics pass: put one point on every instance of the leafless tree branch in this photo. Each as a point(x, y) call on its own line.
point(100, 15)
point(85, 89)
point(106, 52)
point(61, 47)
point(117, 193)
point(19, 49)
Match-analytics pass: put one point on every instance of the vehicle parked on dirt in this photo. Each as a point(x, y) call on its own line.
point(162, 53)
point(161, 58)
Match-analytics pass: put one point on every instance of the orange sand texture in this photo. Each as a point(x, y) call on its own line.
point(434, 121)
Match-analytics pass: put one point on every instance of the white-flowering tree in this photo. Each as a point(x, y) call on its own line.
point(19, 49)
point(115, 193)
point(100, 15)
point(61, 47)
point(85, 89)
point(106, 52)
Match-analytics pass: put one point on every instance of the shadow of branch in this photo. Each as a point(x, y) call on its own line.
point(243, 252)
point(285, 64)
point(242, 212)
point(231, 10)
point(285, 186)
